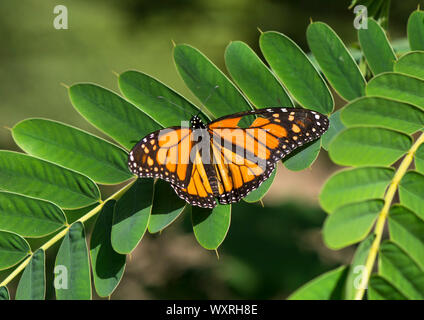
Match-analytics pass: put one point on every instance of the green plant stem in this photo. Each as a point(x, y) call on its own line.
point(63, 232)
point(379, 226)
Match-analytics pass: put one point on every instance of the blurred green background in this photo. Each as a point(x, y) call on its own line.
point(269, 252)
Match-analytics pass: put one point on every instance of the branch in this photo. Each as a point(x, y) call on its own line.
point(63, 232)
point(379, 226)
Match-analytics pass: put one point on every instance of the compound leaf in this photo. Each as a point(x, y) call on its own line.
point(296, 71)
point(335, 61)
point(4, 293)
point(112, 114)
point(72, 267)
point(376, 48)
point(399, 87)
point(357, 266)
point(208, 83)
point(368, 146)
point(37, 178)
point(107, 265)
point(304, 157)
point(32, 285)
point(328, 286)
point(254, 78)
point(13, 248)
point(29, 217)
point(407, 231)
point(411, 63)
point(166, 207)
point(381, 289)
point(161, 103)
point(415, 30)
point(419, 159)
point(351, 223)
point(403, 272)
point(131, 216)
point(410, 192)
point(336, 126)
point(382, 112)
point(354, 185)
point(211, 226)
point(73, 148)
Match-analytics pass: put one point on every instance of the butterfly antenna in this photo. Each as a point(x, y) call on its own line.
point(203, 106)
point(169, 101)
point(210, 94)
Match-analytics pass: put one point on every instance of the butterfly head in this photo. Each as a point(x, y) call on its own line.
point(197, 123)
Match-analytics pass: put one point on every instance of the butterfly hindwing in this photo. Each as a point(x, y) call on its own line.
point(163, 154)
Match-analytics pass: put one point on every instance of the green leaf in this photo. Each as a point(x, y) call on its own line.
point(254, 78)
point(41, 179)
point(407, 231)
point(4, 294)
point(411, 63)
point(381, 289)
point(108, 266)
point(376, 48)
point(131, 217)
point(208, 83)
point(415, 30)
point(335, 61)
point(328, 286)
point(161, 103)
point(336, 126)
point(362, 146)
point(211, 226)
point(72, 269)
point(399, 87)
point(110, 113)
point(419, 159)
point(354, 185)
point(351, 223)
point(381, 112)
point(354, 280)
point(403, 272)
point(166, 207)
point(32, 285)
point(13, 248)
point(258, 194)
point(410, 192)
point(296, 72)
point(74, 149)
point(29, 217)
point(304, 157)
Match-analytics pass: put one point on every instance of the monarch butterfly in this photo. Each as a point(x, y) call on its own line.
point(224, 159)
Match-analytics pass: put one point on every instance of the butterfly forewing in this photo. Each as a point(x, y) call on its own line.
point(273, 134)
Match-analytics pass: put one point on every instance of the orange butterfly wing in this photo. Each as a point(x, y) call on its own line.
point(163, 154)
point(239, 158)
point(246, 157)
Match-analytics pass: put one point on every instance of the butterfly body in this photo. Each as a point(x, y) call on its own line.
point(227, 158)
